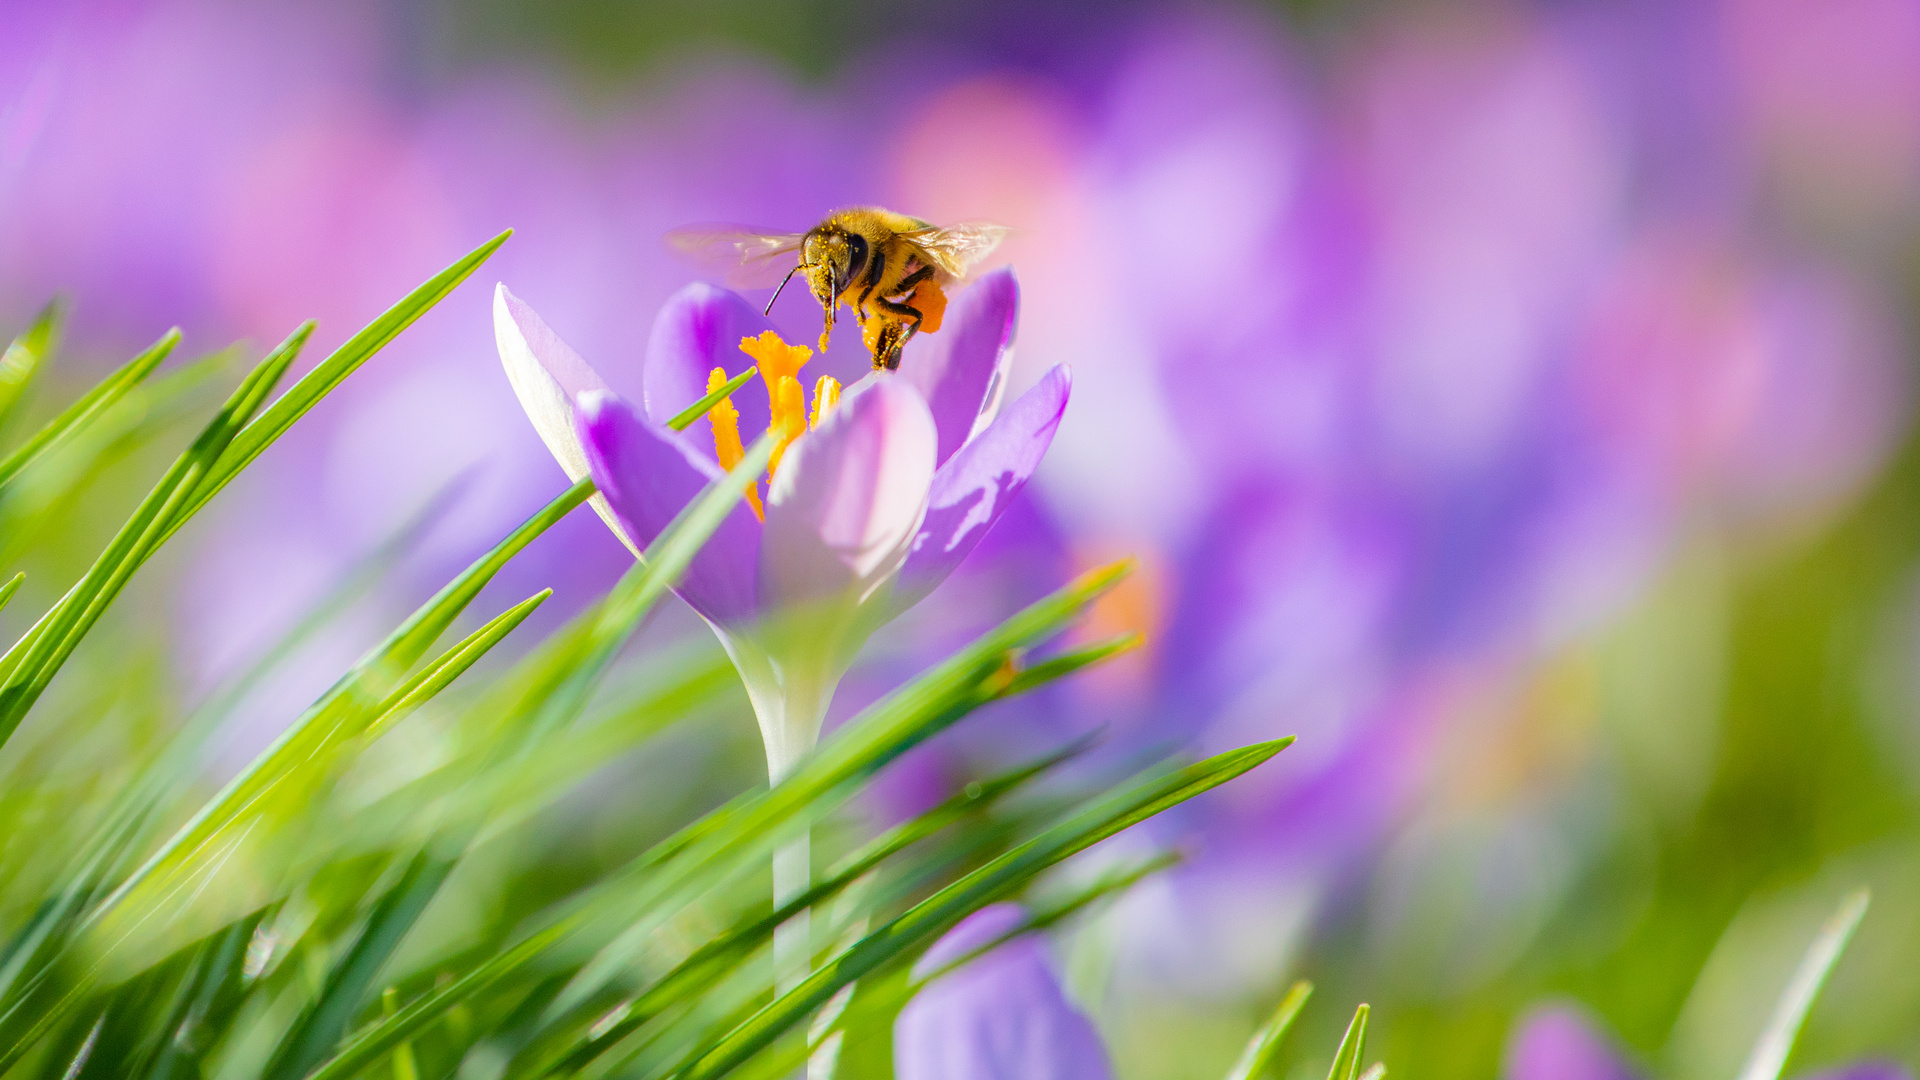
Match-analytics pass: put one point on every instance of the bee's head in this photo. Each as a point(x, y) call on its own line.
point(831, 257)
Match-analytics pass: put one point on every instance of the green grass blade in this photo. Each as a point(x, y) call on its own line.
point(1770, 1051)
point(33, 662)
point(303, 750)
point(12, 586)
point(708, 963)
point(1073, 661)
point(348, 985)
point(684, 418)
point(1260, 1051)
point(1346, 1061)
point(26, 355)
point(742, 833)
point(944, 909)
point(437, 676)
point(322, 380)
point(94, 402)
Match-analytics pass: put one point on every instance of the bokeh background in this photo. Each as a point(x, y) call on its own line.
point(1512, 400)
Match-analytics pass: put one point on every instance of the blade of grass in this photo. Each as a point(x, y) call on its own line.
point(744, 831)
point(1770, 1051)
point(91, 404)
point(684, 418)
point(1068, 663)
point(321, 1025)
point(944, 909)
point(1353, 1047)
point(714, 959)
point(1260, 1051)
point(797, 800)
point(289, 759)
point(27, 354)
point(33, 662)
point(437, 676)
point(331, 372)
point(317, 727)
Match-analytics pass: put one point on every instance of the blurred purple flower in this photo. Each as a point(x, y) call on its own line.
point(1559, 1043)
point(1001, 1016)
point(866, 514)
point(1830, 94)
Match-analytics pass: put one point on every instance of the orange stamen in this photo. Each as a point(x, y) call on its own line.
point(726, 437)
point(776, 359)
point(826, 394)
point(780, 365)
point(789, 418)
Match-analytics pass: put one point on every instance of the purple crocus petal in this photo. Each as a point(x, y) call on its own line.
point(962, 370)
point(972, 490)
point(699, 329)
point(1002, 1016)
point(848, 498)
point(1557, 1043)
point(547, 375)
point(649, 474)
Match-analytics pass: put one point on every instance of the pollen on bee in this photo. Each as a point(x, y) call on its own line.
point(930, 298)
point(726, 437)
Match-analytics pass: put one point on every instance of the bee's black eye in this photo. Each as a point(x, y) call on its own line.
point(856, 253)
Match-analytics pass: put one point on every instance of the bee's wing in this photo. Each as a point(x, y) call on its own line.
point(742, 257)
point(958, 249)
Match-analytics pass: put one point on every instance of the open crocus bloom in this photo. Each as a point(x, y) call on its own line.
point(874, 497)
point(1000, 1016)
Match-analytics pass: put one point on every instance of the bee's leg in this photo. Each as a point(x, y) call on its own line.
point(902, 313)
point(886, 349)
point(902, 323)
point(907, 283)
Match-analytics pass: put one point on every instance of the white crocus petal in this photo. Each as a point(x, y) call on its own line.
point(547, 376)
point(848, 499)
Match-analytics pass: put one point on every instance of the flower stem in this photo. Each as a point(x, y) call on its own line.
point(792, 948)
point(790, 700)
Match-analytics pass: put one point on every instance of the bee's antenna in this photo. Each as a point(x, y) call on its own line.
point(783, 285)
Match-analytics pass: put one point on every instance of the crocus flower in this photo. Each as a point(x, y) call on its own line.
point(1000, 1016)
point(874, 498)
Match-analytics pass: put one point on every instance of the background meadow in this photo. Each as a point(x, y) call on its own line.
point(1513, 401)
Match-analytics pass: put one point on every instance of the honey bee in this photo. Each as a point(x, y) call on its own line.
point(891, 269)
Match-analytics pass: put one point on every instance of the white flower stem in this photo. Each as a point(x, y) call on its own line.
point(792, 940)
point(790, 669)
point(789, 707)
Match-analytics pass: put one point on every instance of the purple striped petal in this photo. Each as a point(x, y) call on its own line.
point(649, 474)
point(1557, 1043)
point(1002, 1016)
point(699, 329)
point(547, 376)
point(962, 370)
point(849, 498)
point(972, 490)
